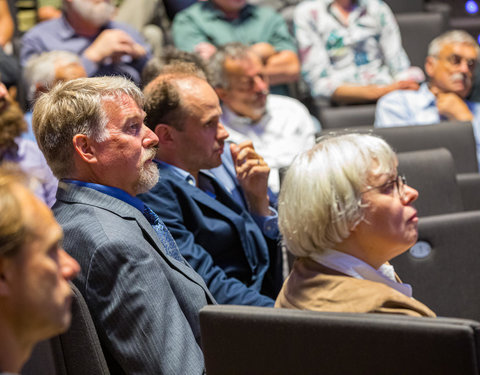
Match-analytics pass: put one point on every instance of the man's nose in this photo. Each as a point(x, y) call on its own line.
point(222, 133)
point(150, 139)
point(260, 84)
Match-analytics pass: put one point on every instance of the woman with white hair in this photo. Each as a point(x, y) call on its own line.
point(345, 212)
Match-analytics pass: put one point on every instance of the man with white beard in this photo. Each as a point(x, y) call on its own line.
point(450, 67)
point(143, 296)
point(105, 47)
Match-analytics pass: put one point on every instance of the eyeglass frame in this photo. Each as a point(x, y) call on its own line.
point(455, 60)
point(400, 181)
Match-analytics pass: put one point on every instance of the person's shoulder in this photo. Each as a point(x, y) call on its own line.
point(122, 26)
point(46, 26)
point(195, 10)
point(314, 7)
point(283, 101)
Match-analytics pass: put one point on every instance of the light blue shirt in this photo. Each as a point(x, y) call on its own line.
point(267, 224)
point(418, 107)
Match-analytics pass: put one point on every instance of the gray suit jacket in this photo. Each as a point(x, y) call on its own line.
point(144, 303)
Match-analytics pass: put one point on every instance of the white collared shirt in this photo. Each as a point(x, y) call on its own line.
point(354, 267)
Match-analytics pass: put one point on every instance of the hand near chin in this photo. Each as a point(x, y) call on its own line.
point(252, 175)
point(205, 50)
point(113, 43)
point(453, 107)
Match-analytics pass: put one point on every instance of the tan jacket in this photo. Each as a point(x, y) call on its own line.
point(312, 286)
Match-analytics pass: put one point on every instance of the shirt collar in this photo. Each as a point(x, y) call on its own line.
point(179, 172)
point(358, 269)
point(67, 32)
point(246, 11)
point(236, 121)
point(112, 191)
point(425, 97)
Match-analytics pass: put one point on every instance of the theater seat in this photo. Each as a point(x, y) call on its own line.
point(245, 340)
point(76, 352)
point(432, 173)
point(456, 136)
point(444, 268)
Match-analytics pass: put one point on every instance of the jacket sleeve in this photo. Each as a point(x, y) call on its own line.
point(137, 312)
point(225, 289)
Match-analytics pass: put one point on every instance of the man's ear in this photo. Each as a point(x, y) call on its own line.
point(430, 64)
point(165, 134)
point(221, 92)
point(84, 148)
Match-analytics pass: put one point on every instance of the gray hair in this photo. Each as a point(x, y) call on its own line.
point(449, 37)
point(40, 69)
point(218, 76)
point(320, 201)
point(76, 107)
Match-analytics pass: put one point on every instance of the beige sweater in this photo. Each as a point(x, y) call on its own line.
point(312, 286)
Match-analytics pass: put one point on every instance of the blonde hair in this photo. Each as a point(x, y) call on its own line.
point(320, 201)
point(76, 107)
point(13, 230)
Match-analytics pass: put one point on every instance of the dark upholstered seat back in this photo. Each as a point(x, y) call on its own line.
point(432, 173)
point(457, 137)
point(76, 352)
point(244, 340)
point(447, 277)
point(417, 31)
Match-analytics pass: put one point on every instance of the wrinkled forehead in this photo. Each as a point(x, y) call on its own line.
point(465, 50)
point(246, 66)
point(67, 72)
point(381, 170)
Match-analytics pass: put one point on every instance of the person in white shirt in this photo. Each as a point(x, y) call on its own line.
point(280, 127)
point(345, 212)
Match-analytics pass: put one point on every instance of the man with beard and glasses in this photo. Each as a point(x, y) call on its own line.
point(23, 152)
point(143, 296)
point(106, 47)
point(450, 67)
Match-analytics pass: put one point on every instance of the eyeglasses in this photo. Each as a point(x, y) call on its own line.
point(456, 60)
point(389, 187)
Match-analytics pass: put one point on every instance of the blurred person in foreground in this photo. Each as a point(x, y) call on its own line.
point(35, 297)
point(345, 212)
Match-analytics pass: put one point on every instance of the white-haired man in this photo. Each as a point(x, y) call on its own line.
point(450, 66)
point(143, 296)
point(106, 47)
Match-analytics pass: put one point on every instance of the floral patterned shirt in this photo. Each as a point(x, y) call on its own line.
point(365, 49)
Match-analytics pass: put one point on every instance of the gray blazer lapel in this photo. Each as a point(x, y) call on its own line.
point(84, 195)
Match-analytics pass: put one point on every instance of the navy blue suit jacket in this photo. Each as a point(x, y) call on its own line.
point(219, 239)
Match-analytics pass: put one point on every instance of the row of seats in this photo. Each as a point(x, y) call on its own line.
point(442, 269)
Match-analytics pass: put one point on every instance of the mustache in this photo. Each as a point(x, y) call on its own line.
point(150, 153)
point(460, 76)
